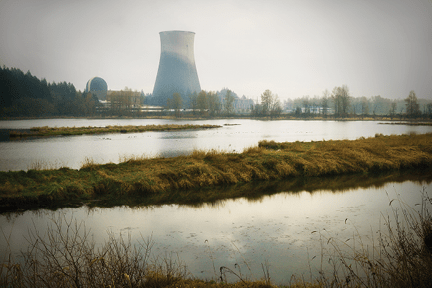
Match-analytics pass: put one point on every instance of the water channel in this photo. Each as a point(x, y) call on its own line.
point(287, 230)
point(71, 151)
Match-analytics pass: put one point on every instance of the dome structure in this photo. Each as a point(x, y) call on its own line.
point(97, 86)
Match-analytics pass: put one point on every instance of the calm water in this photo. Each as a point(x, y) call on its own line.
point(277, 229)
point(71, 151)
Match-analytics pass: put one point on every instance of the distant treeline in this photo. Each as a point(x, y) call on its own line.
point(24, 95)
point(341, 104)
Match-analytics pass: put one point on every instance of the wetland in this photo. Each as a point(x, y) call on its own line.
point(285, 222)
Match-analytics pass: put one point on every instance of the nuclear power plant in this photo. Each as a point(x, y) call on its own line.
point(177, 71)
point(97, 86)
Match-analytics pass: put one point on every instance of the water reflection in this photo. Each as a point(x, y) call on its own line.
point(276, 228)
point(216, 197)
point(72, 150)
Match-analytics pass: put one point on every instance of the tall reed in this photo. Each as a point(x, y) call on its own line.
point(401, 256)
point(65, 256)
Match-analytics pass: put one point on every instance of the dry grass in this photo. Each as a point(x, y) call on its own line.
point(65, 256)
point(64, 131)
point(46, 165)
point(89, 164)
point(159, 177)
point(401, 256)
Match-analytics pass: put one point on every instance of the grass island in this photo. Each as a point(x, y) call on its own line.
point(156, 179)
point(67, 131)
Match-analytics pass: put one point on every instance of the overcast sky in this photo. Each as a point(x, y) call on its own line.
point(292, 47)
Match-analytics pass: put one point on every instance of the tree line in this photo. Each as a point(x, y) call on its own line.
point(124, 102)
point(22, 94)
point(338, 104)
point(204, 103)
point(341, 104)
point(210, 104)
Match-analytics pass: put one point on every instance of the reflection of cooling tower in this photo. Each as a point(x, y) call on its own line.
point(177, 72)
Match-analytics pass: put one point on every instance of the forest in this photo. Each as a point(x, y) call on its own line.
point(25, 95)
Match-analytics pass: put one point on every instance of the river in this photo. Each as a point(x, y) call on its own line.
point(72, 151)
point(288, 230)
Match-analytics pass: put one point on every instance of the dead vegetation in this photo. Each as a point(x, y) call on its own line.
point(65, 256)
point(66, 131)
point(159, 177)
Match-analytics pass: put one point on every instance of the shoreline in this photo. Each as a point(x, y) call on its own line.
point(68, 131)
point(310, 117)
point(155, 179)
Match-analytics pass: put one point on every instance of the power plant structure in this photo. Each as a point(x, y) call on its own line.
point(97, 86)
point(177, 71)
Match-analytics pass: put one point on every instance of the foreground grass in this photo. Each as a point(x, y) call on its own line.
point(160, 178)
point(66, 256)
point(65, 131)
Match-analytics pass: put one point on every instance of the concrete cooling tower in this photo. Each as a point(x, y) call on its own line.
point(177, 71)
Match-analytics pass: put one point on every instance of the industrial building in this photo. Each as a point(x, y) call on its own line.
point(177, 71)
point(98, 87)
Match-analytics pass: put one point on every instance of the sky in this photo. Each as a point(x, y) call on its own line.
point(291, 47)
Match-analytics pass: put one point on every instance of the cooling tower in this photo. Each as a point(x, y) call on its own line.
point(177, 71)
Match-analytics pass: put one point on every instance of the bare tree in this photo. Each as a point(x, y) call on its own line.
point(123, 101)
point(429, 110)
point(412, 106)
point(341, 100)
point(202, 101)
point(276, 109)
point(270, 104)
point(364, 106)
point(229, 102)
point(193, 102)
point(175, 103)
point(325, 101)
point(266, 100)
point(306, 104)
point(393, 109)
point(214, 103)
point(314, 103)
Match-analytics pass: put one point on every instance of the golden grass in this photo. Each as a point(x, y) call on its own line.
point(156, 177)
point(64, 131)
point(66, 256)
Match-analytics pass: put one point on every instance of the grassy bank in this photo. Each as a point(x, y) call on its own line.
point(65, 131)
point(158, 178)
point(411, 123)
point(252, 191)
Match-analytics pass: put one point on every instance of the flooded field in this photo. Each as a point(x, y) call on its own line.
point(285, 229)
point(71, 151)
